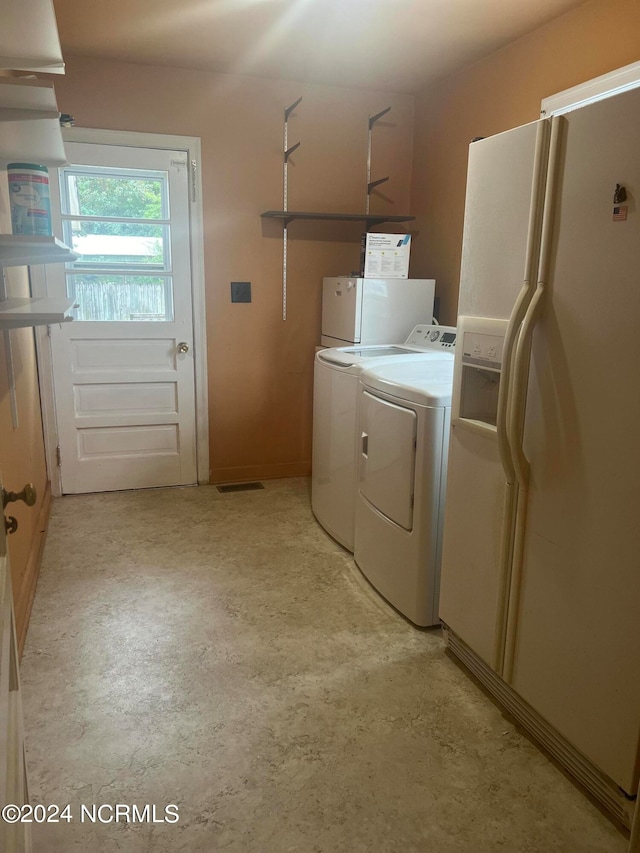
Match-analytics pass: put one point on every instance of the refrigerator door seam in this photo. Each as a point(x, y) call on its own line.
point(521, 377)
point(505, 395)
point(524, 298)
point(523, 346)
point(506, 559)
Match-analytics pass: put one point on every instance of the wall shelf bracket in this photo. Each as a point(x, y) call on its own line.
point(288, 151)
point(377, 183)
point(289, 110)
point(374, 119)
point(372, 184)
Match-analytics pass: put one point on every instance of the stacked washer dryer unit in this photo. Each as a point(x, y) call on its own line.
point(336, 441)
point(403, 432)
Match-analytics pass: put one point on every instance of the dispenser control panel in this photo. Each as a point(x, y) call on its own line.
point(482, 349)
point(477, 374)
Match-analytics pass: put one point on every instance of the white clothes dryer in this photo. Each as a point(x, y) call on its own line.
point(335, 440)
point(403, 428)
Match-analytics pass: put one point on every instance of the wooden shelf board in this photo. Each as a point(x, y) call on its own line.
point(374, 218)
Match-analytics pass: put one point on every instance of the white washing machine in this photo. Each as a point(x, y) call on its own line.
point(403, 436)
point(335, 441)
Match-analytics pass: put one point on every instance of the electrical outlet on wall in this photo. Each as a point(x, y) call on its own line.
point(241, 291)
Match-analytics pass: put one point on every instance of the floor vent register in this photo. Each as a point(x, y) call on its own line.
point(239, 487)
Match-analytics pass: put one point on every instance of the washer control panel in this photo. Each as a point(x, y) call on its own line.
point(433, 337)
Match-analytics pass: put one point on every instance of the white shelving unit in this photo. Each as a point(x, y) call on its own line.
point(19, 250)
point(29, 123)
point(22, 100)
point(22, 312)
point(32, 142)
point(29, 133)
point(29, 37)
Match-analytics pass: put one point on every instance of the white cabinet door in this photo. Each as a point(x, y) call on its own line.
point(124, 368)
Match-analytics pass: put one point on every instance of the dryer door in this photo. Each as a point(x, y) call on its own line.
point(387, 457)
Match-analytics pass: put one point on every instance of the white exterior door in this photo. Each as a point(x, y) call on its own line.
point(124, 368)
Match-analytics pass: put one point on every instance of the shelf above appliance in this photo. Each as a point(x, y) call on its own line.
point(29, 37)
point(18, 250)
point(370, 218)
point(26, 100)
point(38, 141)
point(21, 312)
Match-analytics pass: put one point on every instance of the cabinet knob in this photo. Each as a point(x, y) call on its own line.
point(28, 495)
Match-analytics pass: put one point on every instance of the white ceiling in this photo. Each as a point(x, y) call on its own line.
point(394, 45)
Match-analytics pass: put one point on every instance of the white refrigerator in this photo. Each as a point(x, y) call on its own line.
point(540, 587)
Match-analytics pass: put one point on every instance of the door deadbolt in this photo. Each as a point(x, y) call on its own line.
point(183, 346)
point(10, 524)
point(28, 495)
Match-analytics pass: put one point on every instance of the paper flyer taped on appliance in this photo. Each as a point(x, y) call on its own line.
point(387, 255)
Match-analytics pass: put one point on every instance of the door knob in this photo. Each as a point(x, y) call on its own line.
point(183, 346)
point(28, 495)
point(10, 524)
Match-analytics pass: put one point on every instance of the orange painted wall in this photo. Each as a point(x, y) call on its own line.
point(260, 368)
point(500, 92)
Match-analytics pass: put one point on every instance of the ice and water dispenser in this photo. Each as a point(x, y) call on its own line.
point(478, 372)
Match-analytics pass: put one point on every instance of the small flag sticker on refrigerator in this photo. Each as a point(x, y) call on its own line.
point(619, 212)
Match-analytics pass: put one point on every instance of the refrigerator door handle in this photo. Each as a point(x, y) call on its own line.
point(522, 301)
point(520, 382)
point(520, 366)
point(504, 394)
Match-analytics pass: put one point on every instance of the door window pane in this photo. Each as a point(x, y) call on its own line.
point(121, 297)
point(112, 193)
point(117, 221)
point(117, 244)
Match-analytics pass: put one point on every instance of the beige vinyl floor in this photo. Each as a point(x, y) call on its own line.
point(222, 654)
